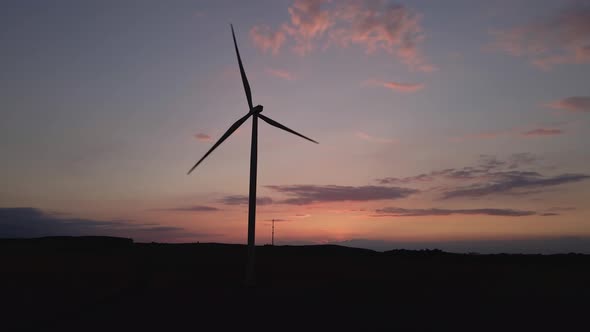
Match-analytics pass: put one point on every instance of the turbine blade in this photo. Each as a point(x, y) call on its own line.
point(280, 126)
point(230, 131)
point(242, 72)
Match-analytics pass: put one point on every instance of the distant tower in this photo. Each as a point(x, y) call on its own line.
point(273, 233)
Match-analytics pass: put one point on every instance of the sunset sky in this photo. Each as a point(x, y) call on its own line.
point(460, 125)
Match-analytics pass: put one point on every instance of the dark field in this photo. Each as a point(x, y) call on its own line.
point(102, 284)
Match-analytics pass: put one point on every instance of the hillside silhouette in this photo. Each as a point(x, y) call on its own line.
point(106, 283)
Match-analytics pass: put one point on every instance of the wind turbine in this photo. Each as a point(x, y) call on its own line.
point(253, 112)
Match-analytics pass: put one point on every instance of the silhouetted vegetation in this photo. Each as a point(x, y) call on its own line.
point(101, 283)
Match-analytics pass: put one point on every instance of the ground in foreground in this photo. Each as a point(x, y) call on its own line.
point(97, 284)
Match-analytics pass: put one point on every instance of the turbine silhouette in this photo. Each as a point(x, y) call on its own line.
point(253, 112)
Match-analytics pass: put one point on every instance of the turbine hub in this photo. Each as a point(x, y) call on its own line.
point(257, 109)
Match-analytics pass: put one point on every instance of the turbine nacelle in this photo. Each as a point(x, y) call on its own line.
point(257, 109)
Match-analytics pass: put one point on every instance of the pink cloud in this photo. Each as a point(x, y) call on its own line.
point(308, 22)
point(572, 104)
point(366, 137)
point(378, 25)
point(563, 38)
point(543, 132)
point(404, 87)
point(266, 39)
point(373, 25)
point(203, 137)
point(280, 73)
point(397, 86)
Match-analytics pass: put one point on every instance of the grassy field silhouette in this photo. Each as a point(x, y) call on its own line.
point(101, 283)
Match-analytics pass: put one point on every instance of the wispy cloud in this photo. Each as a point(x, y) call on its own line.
point(572, 104)
point(203, 137)
point(486, 168)
point(549, 214)
point(401, 212)
point(563, 38)
point(308, 194)
point(242, 199)
point(543, 132)
point(266, 39)
point(561, 208)
point(308, 22)
point(514, 184)
point(531, 130)
point(381, 25)
point(366, 137)
point(517, 160)
point(281, 73)
point(396, 86)
point(491, 176)
point(409, 179)
point(194, 208)
point(373, 25)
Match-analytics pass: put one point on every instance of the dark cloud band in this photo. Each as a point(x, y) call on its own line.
point(401, 212)
point(307, 194)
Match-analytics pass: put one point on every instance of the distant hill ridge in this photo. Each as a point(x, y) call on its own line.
point(111, 242)
point(70, 242)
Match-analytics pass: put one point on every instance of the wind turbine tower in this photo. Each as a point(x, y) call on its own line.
point(255, 113)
